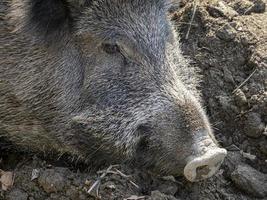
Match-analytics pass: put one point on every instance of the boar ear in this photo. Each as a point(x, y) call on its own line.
point(50, 18)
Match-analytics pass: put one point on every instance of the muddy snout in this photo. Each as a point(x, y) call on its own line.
point(204, 165)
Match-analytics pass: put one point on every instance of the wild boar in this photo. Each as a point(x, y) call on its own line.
point(104, 80)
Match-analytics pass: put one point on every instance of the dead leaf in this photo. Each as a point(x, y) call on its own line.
point(6, 179)
point(35, 174)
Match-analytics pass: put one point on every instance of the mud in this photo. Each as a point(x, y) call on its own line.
point(228, 41)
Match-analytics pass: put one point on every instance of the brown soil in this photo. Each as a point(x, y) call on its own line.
point(228, 41)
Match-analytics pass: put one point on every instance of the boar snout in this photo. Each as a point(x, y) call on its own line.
point(205, 162)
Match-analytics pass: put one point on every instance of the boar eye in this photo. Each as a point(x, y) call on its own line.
point(110, 48)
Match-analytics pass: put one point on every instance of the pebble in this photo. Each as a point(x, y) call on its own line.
point(253, 126)
point(226, 32)
point(250, 180)
point(52, 180)
point(221, 10)
point(259, 6)
point(242, 6)
point(246, 7)
point(228, 77)
point(240, 98)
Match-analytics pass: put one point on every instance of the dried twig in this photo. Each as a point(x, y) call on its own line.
point(104, 173)
point(122, 174)
point(127, 177)
point(249, 9)
point(118, 172)
point(244, 82)
point(98, 181)
point(192, 18)
point(134, 197)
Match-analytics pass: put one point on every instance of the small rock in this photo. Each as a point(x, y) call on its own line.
point(228, 77)
point(17, 194)
point(227, 105)
point(250, 180)
point(157, 195)
point(221, 10)
point(253, 126)
point(242, 6)
point(226, 33)
point(245, 7)
point(240, 98)
point(259, 6)
point(52, 180)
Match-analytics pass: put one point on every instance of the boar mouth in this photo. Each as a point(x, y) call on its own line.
point(203, 167)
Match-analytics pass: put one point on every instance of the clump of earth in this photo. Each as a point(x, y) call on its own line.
point(227, 40)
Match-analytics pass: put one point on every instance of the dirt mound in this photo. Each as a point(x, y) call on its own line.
point(228, 41)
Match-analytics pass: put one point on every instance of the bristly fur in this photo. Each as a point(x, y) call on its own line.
point(136, 100)
point(49, 16)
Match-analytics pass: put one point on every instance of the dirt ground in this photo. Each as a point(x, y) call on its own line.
point(228, 41)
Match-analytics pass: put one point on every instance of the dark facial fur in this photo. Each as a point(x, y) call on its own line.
point(102, 79)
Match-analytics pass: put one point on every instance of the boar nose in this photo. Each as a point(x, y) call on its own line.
point(205, 165)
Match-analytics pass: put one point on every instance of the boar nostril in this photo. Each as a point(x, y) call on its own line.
point(202, 170)
point(204, 166)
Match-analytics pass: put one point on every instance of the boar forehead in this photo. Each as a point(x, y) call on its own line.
point(141, 21)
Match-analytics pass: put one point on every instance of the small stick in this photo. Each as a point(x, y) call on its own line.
point(133, 197)
point(248, 9)
point(104, 173)
point(244, 82)
point(134, 184)
point(118, 172)
point(191, 21)
point(122, 174)
point(127, 177)
point(98, 181)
